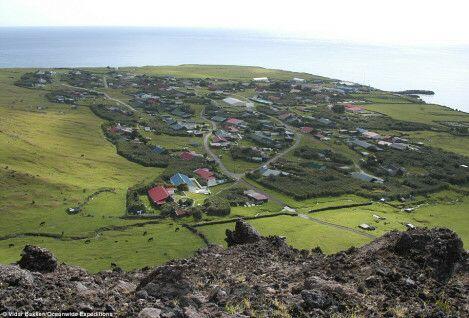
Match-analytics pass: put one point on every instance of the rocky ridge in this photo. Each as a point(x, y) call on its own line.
point(418, 273)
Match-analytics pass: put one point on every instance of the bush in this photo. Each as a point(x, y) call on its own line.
point(217, 206)
point(141, 153)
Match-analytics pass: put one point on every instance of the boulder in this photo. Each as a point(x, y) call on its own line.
point(37, 259)
point(150, 313)
point(244, 233)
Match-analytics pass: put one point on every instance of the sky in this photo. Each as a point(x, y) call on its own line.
point(369, 21)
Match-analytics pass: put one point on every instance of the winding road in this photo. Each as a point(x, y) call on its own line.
point(239, 177)
point(102, 93)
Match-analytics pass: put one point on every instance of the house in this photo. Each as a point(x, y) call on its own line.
point(234, 121)
point(256, 196)
point(298, 80)
point(366, 177)
point(306, 130)
point(260, 79)
point(354, 108)
point(208, 176)
point(398, 146)
point(218, 119)
point(234, 101)
point(266, 172)
point(176, 126)
point(159, 150)
point(189, 155)
point(219, 139)
point(179, 179)
point(371, 135)
point(363, 144)
point(159, 195)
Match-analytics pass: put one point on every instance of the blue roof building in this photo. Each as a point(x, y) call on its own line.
point(159, 150)
point(179, 179)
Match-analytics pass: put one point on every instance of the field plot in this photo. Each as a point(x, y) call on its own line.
point(420, 113)
point(300, 233)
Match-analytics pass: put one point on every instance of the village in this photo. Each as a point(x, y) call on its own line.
point(233, 140)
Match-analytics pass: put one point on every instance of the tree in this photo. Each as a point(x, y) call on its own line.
point(338, 108)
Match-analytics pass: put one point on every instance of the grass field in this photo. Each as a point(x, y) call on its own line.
point(300, 233)
point(54, 159)
point(420, 113)
point(219, 71)
point(444, 141)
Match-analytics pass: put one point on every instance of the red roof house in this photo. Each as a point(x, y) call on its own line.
point(218, 139)
point(353, 108)
point(188, 155)
point(233, 121)
point(306, 130)
point(205, 174)
point(159, 195)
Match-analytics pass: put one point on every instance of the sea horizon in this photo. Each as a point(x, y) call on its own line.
point(383, 66)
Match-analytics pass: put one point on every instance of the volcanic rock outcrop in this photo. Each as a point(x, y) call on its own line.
point(418, 273)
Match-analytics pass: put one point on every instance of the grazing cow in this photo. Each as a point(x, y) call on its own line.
point(145, 233)
point(87, 241)
point(42, 223)
point(11, 245)
point(113, 265)
point(150, 239)
point(176, 230)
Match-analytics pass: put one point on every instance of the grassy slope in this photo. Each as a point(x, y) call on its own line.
point(219, 71)
point(45, 150)
point(421, 113)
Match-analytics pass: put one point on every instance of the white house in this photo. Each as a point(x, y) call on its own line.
point(233, 101)
point(260, 79)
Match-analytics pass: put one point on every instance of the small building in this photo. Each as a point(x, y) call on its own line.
point(218, 119)
point(234, 101)
point(159, 195)
point(366, 177)
point(159, 150)
point(189, 155)
point(266, 172)
point(256, 196)
point(205, 174)
point(306, 130)
point(179, 179)
point(299, 80)
point(234, 121)
point(261, 79)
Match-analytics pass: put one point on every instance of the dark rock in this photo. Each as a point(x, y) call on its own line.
point(244, 233)
point(150, 313)
point(37, 259)
point(316, 299)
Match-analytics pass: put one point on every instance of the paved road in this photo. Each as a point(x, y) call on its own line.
point(240, 179)
point(223, 168)
point(239, 176)
point(104, 94)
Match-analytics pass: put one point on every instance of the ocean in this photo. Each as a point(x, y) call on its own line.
point(445, 70)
